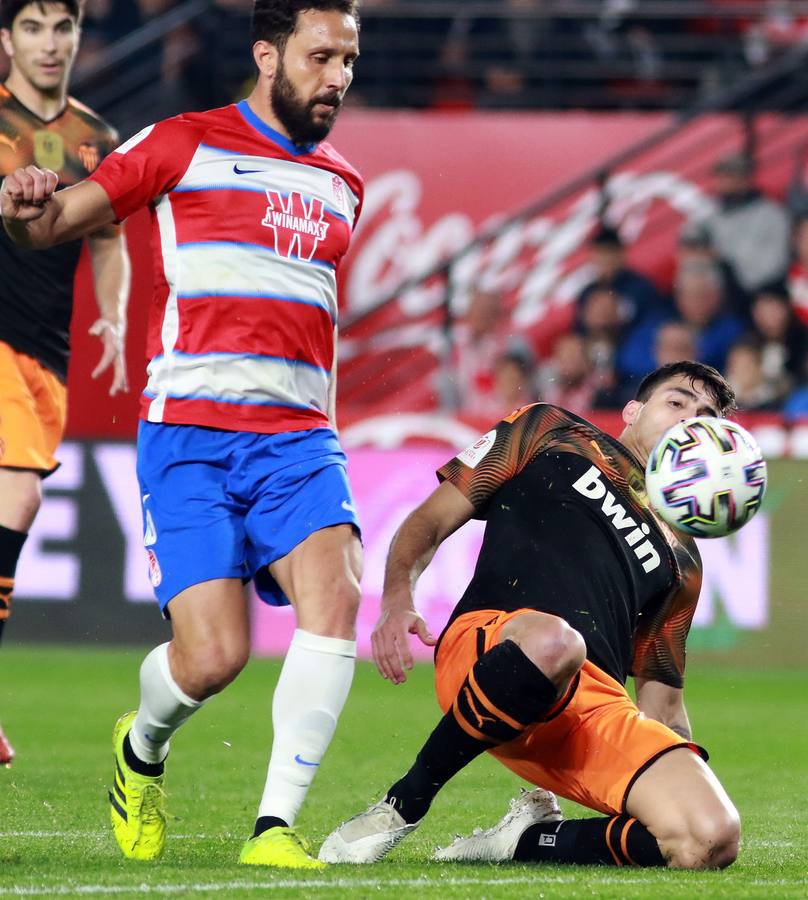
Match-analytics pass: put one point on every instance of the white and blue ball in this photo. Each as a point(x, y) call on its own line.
point(706, 477)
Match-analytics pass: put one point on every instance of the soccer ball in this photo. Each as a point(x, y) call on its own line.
point(706, 477)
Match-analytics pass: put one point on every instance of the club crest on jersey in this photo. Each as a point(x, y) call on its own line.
point(89, 156)
point(337, 191)
point(299, 226)
point(155, 572)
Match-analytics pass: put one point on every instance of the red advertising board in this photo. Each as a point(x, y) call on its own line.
point(434, 181)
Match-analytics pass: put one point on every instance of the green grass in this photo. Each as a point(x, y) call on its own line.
point(58, 706)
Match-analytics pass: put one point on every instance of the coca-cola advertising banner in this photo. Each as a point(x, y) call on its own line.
point(434, 181)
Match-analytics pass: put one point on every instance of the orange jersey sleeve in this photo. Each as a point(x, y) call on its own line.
point(500, 454)
point(659, 641)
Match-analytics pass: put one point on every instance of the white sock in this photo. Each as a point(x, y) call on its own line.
point(309, 697)
point(164, 706)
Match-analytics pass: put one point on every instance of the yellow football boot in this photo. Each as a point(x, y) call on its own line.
point(283, 848)
point(137, 803)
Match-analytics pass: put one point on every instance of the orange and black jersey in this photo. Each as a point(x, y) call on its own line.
point(569, 532)
point(36, 290)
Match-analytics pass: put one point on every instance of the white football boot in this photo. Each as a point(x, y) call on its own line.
point(498, 844)
point(367, 837)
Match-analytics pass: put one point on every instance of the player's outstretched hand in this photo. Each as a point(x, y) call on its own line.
point(112, 355)
point(26, 192)
point(391, 646)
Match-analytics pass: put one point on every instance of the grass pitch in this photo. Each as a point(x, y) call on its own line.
point(59, 705)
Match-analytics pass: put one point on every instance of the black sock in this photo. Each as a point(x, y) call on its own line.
point(137, 764)
point(503, 694)
point(11, 543)
point(615, 841)
point(264, 823)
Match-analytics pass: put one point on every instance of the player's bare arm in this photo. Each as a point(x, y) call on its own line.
point(37, 216)
point(411, 551)
point(665, 704)
point(112, 277)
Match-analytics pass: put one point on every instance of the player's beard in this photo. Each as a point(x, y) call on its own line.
point(296, 115)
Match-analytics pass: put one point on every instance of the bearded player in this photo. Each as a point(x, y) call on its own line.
point(241, 473)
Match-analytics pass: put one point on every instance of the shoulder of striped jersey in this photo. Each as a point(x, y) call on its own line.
point(341, 165)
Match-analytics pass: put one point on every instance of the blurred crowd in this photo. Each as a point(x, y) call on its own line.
point(739, 296)
point(512, 54)
point(738, 300)
point(567, 53)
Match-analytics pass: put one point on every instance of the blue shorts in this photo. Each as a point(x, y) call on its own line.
point(226, 504)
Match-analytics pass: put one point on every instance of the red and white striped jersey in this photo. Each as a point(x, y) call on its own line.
point(248, 231)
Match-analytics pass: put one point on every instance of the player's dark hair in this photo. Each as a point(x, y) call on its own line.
point(276, 20)
point(606, 236)
point(714, 382)
point(10, 9)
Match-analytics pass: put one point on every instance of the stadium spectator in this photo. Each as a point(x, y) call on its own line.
point(514, 379)
point(674, 341)
point(575, 587)
point(695, 243)
point(453, 88)
point(569, 377)
point(782, 337)
point(796, 404)
point(607, 256)
point(600, 321)
point(797, 194)
point(482, 337)
point(519, 55)
point(776, 29)
point(241, 473)
point(670, 342)
point(753, 391)
point(749, 231)
point(798, 274)
point(638, 302)
point(699, 303)
point(41, 125)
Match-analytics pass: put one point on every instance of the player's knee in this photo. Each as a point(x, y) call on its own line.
point(710, 843)
point(554, 647)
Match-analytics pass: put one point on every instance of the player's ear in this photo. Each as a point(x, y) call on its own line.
point(266, 58)
point(631, 411)
point(5, 40)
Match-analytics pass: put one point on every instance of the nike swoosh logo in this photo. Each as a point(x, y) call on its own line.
point(348, 507)
point(238, 171)
point(304, 762)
